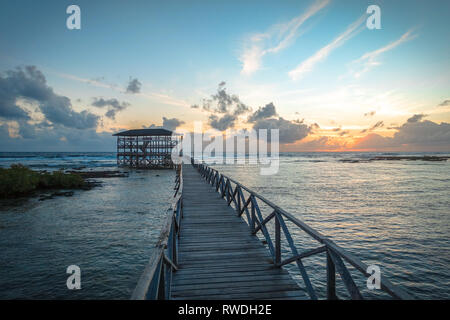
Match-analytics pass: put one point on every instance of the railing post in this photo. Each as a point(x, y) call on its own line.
point(253, 215)
point(174, 242)
point(238, 195)
point(162, 284)
point(277, 241)
point(331, 279)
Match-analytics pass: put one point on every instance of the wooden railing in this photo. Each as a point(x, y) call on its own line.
point(155, 281)
point(233, 192)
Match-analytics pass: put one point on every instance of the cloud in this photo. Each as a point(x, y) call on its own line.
point(289, 131)
point(314, 126)
point(134, 86)
point(160, 97)
point(229, 106)
point(416, 118)
point(417, 135)
point(263, 113)
point(36, 138)
point(8, 97)
point(369, 59)
point(171, 124)
point(223, 123)
point(373, 141)
point(277, 38)
point(29, 83)
point(241, 109)
point(323, 143)
point(377, 125)
point(113, 106)
point(225, 114)
point(445, 103)
point(308, 65)
point(224, 102)
point(96, 82)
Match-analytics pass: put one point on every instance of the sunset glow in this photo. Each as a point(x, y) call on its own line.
point(341, 85)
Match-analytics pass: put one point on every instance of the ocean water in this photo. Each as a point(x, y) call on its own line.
point(395, 214)
point(109, 232)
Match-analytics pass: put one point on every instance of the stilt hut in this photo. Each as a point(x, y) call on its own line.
point(146, 148)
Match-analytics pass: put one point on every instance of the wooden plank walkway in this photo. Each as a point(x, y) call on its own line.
point(218, 257)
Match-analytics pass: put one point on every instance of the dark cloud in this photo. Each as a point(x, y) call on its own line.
point(445, 103)
point(37, 138)
point(134, 86)
point(423, 132)
point(223, 123)
point(265, 112)
point(224, 100)
point(171, 124)
point(379, 124)
point(416, 118)
point(29, 83)
point(26, 130)
point(369, 114)
point(113, 106)
point(225, 109)
point(224, 103)
point(9, 93)
point(314, 127)
point(412, 134)
point(241, 109)
point(289, 131)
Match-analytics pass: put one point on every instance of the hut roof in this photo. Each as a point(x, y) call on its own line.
point(145, 132)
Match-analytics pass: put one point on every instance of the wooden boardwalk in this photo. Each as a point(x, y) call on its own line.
point(218, 257)
point(206, 250)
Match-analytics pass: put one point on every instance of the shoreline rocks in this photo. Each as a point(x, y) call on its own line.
point(398, 158)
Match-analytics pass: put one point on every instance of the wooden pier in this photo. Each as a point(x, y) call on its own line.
point(218, 257)
point(209, 248)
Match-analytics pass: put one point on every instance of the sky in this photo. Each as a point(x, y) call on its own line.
point(312, 69)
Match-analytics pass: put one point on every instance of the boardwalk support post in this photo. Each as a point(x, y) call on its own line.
point(277, 242)
point(331, 279)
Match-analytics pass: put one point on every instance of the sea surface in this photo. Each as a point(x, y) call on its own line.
point(391, 213)
point(108, 231)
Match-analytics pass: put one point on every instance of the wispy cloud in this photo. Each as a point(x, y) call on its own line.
point(369, 59)
point(277, 38)
point(160, 97)
point(309, 64)
point(164, 98)
point(93, 82)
